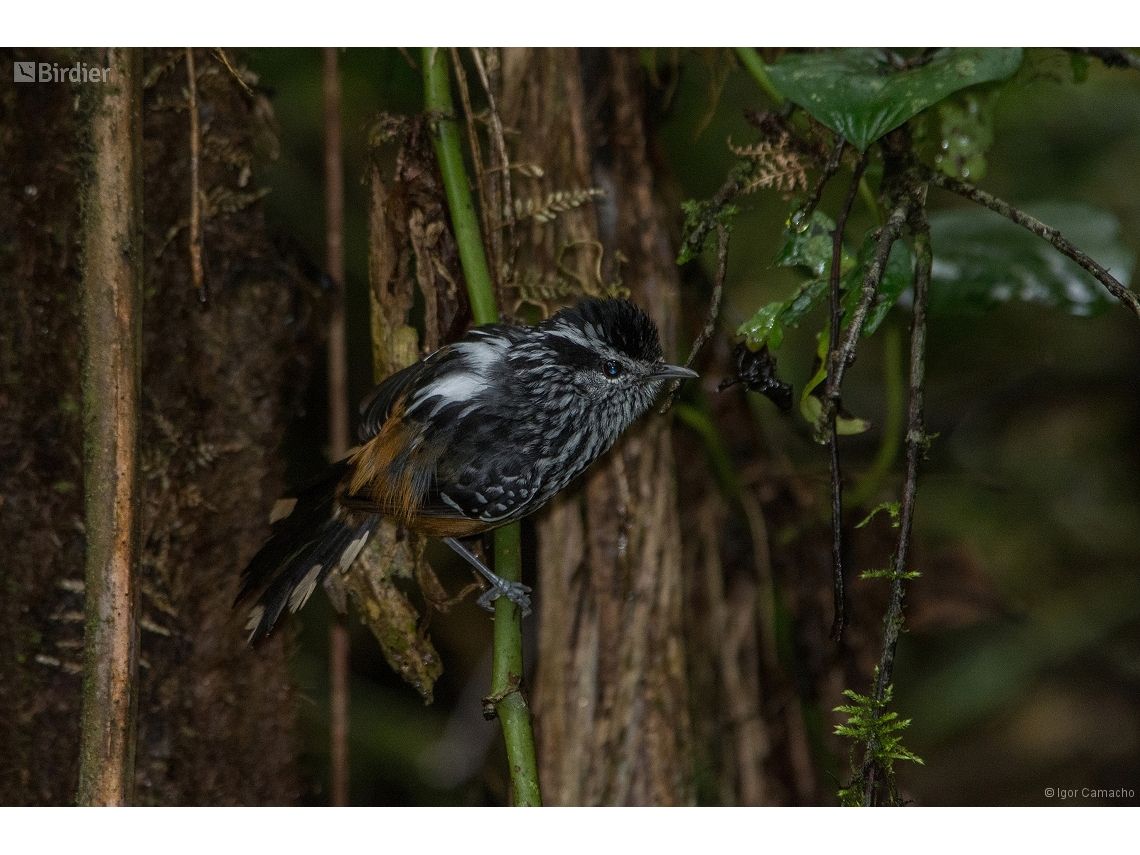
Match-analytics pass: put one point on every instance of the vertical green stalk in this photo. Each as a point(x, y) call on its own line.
point(506, 679)
point(449, 151)
point(755, 65)
point(507, 674)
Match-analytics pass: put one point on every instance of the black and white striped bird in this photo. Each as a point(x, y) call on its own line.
point(478, 434)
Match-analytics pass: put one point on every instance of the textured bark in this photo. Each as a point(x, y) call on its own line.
point(112, 360)
point(218, 384)
point(610, 694)
point(410, 248)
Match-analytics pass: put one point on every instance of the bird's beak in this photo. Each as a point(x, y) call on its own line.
point(673, 372)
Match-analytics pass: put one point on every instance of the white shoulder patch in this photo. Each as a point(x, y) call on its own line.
point(481, 355)
point(470, 376)
point(452, 389)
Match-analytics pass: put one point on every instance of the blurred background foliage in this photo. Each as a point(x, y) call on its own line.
point(1021, 664)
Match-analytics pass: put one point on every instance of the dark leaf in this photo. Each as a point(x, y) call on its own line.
point(982, 259)
point(756, 369)
point(858, 94)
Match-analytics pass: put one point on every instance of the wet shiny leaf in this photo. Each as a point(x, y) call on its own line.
point(861, 96)
point(810, 248)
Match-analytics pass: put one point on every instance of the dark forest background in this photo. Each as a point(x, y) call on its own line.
point(1020, 664)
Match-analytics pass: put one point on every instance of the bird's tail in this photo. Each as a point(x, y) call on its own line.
point(311, 535)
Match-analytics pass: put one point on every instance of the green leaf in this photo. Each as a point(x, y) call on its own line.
point(967, 131)
point(858, 93)
point(810, 250)
point(1080, 66)
point(982, 259)
point(892, 508)
point(764, 327)
point(897, 277)
point(810, 247)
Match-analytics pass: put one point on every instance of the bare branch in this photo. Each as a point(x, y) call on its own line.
point(915, 449)
point(196, 272)
point(844, 354)
point(830, 168)
point(833, 339)
point(1046, 232)
point(491, 235)
point(713, 313)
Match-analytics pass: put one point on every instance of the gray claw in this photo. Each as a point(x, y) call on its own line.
point(516, 592)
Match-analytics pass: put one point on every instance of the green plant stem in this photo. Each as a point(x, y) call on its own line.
point(449, 151)
point(507, 676)
point(756, 67)
point(507, 673)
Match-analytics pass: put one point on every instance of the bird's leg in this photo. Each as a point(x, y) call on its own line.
point(516, 592)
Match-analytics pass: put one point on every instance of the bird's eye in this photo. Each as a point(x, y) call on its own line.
point(610, 368)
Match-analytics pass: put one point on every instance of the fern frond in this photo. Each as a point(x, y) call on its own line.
point(544, 210)
point(775, 166)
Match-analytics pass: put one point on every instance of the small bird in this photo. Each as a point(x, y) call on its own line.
point(476, 435)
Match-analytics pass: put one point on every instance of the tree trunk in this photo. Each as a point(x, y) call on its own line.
point(610, 695)
point(219, 379)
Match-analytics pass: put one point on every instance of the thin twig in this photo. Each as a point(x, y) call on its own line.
point(713, 312)
point(334, 257)
point(339, 646)
point(737, 178)
point(805, 210)
point(844, 353)
point(501, 162)
point(718, 291)
point(220, 53)
point(1046, 232)
point(833, 438)
point(915, 448)
point(778, 124)
point(489, 232)
point(196, 272)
